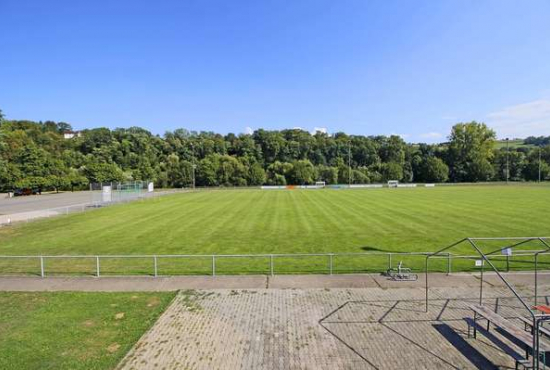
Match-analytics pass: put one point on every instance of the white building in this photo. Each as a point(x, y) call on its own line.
point(71, 134)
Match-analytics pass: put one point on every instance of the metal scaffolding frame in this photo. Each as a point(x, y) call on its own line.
point(515, 242)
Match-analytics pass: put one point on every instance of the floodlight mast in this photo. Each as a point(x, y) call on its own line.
point(349, 162)
point(540, 158)
point(193, 163)
point(507, 160)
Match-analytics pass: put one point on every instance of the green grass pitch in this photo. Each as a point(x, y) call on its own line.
point(68, 330)
point(281, 221)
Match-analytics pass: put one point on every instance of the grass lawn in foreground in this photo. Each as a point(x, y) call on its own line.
point(73, 330)
point(280, 221)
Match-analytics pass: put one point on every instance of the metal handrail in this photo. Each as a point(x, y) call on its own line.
point(485, 257)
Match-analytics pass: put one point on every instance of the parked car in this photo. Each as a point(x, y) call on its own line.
point(26, 191)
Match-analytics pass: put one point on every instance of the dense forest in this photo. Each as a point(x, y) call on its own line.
point(36, 155)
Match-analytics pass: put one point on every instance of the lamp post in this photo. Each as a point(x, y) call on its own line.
point(349, 163)
point(193, 163)
point(540, 158)
point(507, 160)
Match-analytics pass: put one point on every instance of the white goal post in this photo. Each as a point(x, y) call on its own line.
point(320, 184)
point(393, 184)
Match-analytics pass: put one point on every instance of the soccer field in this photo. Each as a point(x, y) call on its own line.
point(287, 221)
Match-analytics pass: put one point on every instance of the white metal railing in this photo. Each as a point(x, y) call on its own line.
point(330, 267)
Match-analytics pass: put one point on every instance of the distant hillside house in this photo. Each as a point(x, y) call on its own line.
point(71, 134)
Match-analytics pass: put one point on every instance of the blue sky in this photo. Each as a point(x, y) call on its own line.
point(368, 67)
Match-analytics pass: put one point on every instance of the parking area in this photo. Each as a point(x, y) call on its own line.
point(42, 202)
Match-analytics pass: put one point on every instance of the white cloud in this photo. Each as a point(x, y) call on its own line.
point(522, 120)
point(403, 136)
point(431, 135)
point(322, 130)
point(248, 130)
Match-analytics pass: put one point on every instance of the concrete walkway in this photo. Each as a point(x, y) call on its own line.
point(172, 283)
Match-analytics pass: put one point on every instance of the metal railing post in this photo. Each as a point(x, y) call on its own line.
point(97, 266)
point(389, 261)
point(330, 263)
point(213, 265)
point(507, 263)
point(448, 263)
point(41, 266)
point(271, 265)
point(156, 269)
point(536, 278)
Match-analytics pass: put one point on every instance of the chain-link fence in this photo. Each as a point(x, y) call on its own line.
point(115, 192)
point(122, 194)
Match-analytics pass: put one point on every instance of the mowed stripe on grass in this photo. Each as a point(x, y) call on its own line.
point(286, 221)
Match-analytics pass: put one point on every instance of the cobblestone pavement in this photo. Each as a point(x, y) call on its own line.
point(361, 328)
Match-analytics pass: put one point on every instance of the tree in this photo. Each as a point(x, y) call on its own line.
point(256, 174)
point(470, 152)
point(432, 169)
point(512, 161)
point(230, 171)
point(327, 174)
point(206, 172)
point(532, 166)
point(277, 173)
point(99, 172)
point(359, 177)
point(37, 153)
point(63, 127)
point(9, 175)
point(76, 180)
point(391, 171)
point(302, 172)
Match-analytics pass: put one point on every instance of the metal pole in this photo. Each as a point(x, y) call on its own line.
point(507, 160)
point(481, 285)
point(426, 273)
point(97, 266)
point(448, 263)
point(540, 158)
point(536, 278)
point(507, 263)
point(193, 163)
point(389, 261)
point(41, 266)
point(156, 269)
point(271, 264)
point(213, 265)
point(349, 163)
point(330, 263)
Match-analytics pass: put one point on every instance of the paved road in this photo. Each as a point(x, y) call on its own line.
point(42, 202)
